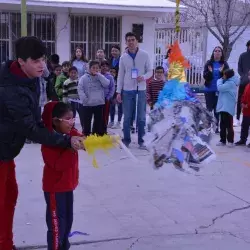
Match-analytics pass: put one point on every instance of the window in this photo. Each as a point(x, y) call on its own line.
point(94, 32)
point(43, 26)
point(4, 37)
point(40, 25)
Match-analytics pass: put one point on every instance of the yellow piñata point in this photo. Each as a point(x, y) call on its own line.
point(93, 143)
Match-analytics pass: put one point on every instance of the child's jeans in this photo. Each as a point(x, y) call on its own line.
point(106, 116)
point(245, 128)
point(112, 111)
point(59, 219)
point(77, 107)
point(226, 128)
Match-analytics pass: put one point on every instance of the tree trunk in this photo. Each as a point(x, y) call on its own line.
point(227, 48)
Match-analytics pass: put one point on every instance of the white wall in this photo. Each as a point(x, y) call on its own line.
point(238, 48)
point(63, 36)
point(63, 33)
point(148, 33)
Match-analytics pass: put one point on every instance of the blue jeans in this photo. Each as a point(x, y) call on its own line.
point(77, 107)
point(112, 111)
point(129, 103)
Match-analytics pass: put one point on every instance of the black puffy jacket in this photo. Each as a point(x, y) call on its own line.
point(208, 75)
point(18, 108)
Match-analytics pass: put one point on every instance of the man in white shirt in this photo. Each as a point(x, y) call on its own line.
point(134, 69)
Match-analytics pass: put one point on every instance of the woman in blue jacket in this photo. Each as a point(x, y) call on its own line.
point(213, 71)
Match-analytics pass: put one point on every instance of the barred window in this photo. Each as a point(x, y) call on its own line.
point(94, 32)
point(4, 37)
point(40, 25)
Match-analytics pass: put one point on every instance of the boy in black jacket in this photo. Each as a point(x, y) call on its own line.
point(18, 106)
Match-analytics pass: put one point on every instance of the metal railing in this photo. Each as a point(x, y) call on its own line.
point(191, 43)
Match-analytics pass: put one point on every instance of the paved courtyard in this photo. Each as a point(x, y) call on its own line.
point(123, 205)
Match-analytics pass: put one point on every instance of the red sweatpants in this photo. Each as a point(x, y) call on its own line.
point(8, 199)
point(105, 116)
point(106, 112)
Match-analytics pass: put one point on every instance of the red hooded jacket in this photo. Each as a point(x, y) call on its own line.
point(246, 100)
point(61, 172)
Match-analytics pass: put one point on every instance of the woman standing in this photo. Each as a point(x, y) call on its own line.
point(165, 63)
point(213, 71)
point(79, 61)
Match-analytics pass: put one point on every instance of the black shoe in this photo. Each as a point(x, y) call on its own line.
point(125, 143)
point(217, 131)
point(132, 129)
point(240, 143)
point(248, 146)
point(28, 141)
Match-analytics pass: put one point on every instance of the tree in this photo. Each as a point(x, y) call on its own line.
point(225, 19)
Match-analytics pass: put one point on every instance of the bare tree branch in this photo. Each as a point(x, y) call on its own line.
point(244, 20)
point(239, 34)
point(225, 19)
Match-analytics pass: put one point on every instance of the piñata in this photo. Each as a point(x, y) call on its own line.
point(180, 126)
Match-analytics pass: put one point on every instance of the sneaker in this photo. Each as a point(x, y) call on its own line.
point(117, 125)
point(111, 124)
point(217, 131)
point(28, 141)
point(237, 123)
point(230, 145)
point(221, 144)
point(240, 143)
point(125, 143)
point(142, 147)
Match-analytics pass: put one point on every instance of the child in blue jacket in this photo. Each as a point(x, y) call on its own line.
point(227, 88)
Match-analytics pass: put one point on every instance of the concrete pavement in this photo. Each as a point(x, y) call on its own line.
point(124, 205)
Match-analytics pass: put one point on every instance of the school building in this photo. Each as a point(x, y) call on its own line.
point(92, 24)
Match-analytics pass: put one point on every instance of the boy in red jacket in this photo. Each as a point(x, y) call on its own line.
point(245, 104)
point(60, 176)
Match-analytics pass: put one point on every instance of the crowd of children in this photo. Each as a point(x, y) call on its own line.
point(88, 86)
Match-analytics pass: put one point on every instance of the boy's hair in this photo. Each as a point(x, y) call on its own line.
point(73, 68)
point(54, 59)
point(228, 73)
point(129, 34)
point(92, 63)
point(116, 46)
point(65, 63)
point(29, 47)
point(103, 63)
point(159, 68)
point(57, 66)
point(102, 50)
point(61, 109)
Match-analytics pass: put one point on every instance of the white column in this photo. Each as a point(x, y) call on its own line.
point(63, 36)
point(148, 33)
